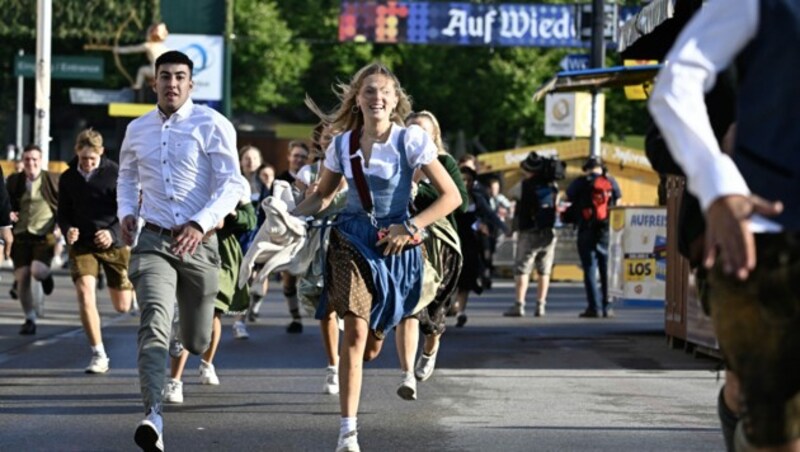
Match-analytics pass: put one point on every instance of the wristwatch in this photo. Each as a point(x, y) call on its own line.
point(411, 227)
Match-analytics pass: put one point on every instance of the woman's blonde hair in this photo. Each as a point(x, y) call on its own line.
point(347, 115)
point(89, 138)
point(437, 131)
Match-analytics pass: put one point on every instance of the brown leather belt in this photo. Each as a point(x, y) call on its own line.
point(160, 231)
point(172, 233)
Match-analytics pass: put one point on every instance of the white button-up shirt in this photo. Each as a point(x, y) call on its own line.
point(707, 45)
point(185, 166)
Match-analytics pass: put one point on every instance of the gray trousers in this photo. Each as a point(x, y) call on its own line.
point(159, 278)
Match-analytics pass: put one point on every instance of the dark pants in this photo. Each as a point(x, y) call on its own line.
point(757, 322)
point(593, 251)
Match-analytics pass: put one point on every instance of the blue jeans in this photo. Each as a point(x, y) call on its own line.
point(593, 251)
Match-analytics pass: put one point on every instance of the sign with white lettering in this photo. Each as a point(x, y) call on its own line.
point(455, 23)
point(574, 62)
point(62, 67)
point(461, 23)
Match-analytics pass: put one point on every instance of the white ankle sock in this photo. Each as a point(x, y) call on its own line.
point(348, 425)
point(99, 350)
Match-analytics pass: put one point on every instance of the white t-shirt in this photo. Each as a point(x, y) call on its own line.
point(385, 157)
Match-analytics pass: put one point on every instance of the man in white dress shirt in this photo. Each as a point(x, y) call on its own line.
point(182, 159)
point(750, 199)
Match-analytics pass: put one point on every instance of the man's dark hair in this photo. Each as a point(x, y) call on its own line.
point(174, 57)
point(32, 147)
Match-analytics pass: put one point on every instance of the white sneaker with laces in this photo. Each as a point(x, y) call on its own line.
point(149, 433)
point(348, 442)
point(425, 366)
point(208, 375)
point(98, 365)
point(173, 391)
point(331, 381)
point(240, 330)
point(408, 388)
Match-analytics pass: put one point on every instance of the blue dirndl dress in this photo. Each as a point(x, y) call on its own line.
point(396, 280)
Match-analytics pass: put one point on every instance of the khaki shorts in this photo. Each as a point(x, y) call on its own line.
point(535, 246)
point(87, 262)
point(28, 248)
point(757, 322)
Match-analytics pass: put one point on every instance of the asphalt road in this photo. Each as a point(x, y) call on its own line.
point(557, 383)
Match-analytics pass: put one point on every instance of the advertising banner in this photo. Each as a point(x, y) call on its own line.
point(463, 23)
point(206, 52)
point(637, 254)
point(458, 23)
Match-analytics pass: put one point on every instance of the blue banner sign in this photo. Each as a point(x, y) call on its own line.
point(457, 23)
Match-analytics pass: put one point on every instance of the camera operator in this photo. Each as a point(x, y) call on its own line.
point(535, 221)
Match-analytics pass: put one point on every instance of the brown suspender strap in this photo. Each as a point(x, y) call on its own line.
point(358, 172)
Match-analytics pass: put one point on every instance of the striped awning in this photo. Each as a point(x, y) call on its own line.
point(650, 33)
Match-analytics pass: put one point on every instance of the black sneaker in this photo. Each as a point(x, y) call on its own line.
point(28, 328)
point(13, 291)
point(462, 320)
point(47, 285)
point(589, 314)
point(101, 281)
point(295, 327)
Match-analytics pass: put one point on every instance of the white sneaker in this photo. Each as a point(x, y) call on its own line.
point(149, 434)
point(516, 310)
point(348, 442)
point(98, 365)
point(331, 381)
point(208, 375)
point(408, 388)
point(240, 330)
point(425, 366)
point(540, 312)
point(173, 392)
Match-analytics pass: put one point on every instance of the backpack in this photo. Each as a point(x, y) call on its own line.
point(544, 212)
point(599, 198)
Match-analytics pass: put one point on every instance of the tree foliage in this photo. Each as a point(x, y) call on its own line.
point(285, 49)
point(267, 60)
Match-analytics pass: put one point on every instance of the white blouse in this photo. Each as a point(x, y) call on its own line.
point(385, 158)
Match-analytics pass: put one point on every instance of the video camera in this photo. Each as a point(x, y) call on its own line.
point(544, 169)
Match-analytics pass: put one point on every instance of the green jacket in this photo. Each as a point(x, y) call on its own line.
point(427, 194)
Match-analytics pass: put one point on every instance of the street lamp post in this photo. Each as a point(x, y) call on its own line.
point(598, 61)
point(20, 105)
point(44, 25)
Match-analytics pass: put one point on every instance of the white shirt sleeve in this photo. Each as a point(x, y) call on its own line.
point(420, 148)
point(128, 185)
point(332, 160)
point(708, 44)
point(228, 186)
